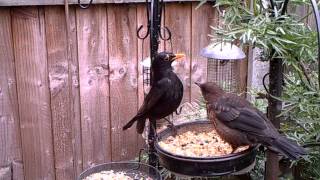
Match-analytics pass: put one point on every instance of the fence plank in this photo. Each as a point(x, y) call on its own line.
point(33, 92)
point(142, 20)
point(242, 70)
point(123, 78)
point(94, 88)
point(10, 138)
point(202, 19)
point(180, 26)
point(61, 102)
point(75, 100)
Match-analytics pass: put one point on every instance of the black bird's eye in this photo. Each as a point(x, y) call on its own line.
point(167, 58)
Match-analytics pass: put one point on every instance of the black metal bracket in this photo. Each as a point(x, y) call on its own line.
point(82, 6)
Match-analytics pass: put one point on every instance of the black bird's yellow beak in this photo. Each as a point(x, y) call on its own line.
point(178, 56)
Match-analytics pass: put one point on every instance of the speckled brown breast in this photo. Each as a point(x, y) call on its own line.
point(234, 137)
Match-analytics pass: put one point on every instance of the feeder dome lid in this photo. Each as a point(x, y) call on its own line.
point(223, 51)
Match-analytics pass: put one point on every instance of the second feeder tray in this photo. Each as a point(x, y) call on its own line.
point(203, 166)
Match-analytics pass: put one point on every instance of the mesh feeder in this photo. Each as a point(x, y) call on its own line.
point(222, 66)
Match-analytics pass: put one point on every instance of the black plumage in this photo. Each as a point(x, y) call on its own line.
point(165, 94)
point(239, 123)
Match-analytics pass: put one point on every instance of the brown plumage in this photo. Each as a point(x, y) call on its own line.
point(239, 123)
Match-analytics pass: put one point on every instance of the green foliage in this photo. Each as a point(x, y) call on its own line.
point(287, 37)
point(258, 171)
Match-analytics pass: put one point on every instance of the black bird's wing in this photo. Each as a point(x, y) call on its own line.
point(156, 92)
point(238, 113)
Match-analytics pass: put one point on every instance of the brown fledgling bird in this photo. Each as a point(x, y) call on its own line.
point(239, 123)
point(165, 94)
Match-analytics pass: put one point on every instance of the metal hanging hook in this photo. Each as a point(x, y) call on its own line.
point(165, 31)
point(82, 6)
point(143, 37)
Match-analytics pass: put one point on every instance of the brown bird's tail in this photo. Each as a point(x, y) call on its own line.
point(288, 148)
point(140, 124)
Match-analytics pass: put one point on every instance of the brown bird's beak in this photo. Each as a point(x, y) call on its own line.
point(178, 56)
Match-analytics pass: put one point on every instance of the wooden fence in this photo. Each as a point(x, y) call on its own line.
point(53, 122)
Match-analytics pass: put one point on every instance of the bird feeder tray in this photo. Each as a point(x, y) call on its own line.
point(203, 166)
point(134, 170)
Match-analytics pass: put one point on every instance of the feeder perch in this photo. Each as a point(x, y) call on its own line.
point(222, 67)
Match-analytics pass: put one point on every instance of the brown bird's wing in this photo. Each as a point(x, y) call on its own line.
point(238, 113)
point(156, 92)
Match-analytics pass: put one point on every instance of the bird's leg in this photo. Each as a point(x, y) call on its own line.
point(172, 127)
point(154, 130)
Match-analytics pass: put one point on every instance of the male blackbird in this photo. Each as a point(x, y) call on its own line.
point(165, 94)
point(239, 123)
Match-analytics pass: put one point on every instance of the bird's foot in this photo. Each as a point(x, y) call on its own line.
point(172, 127)
point(155, 133)
point(156, 137)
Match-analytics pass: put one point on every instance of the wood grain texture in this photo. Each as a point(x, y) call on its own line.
point(61, 2)
point(123, 78)
point(10, 137)
point(202, 19)
point(33, 92)
point(142, 20)
point(75, 100)
point(242, 70)
point(94, 88)
point(61, 102)
point(180, 26)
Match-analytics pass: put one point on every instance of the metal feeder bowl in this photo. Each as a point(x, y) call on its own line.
point(135, 170)
point(236, 163)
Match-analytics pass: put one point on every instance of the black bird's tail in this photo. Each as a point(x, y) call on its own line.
point(140, 124)
point(288, 148)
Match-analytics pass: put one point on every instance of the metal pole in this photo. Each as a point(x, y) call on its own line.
point(274, 105)
point(154, 44)
point(274, 108)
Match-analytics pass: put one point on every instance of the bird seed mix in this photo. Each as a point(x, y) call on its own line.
point(111, 175)
point(198, 144)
